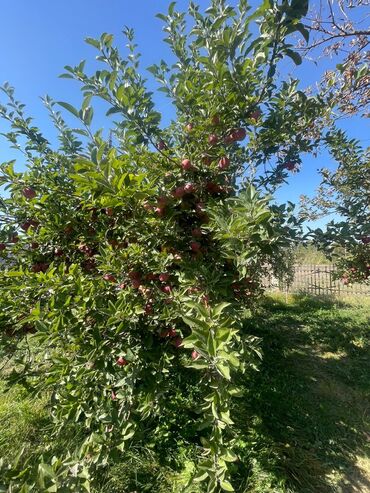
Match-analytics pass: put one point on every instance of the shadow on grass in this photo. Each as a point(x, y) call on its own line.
point(309, 401)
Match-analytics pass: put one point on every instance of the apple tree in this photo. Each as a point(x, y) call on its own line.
point(130, 259)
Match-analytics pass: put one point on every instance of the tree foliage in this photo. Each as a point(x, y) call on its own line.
point(130, 259)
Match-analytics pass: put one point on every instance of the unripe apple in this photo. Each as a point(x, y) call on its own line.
point(212, 139)
point(121, 361)
point(164, 277)
point(195, 246)
point(29, 193)
point(224, 163)
point(194, 354)
point(2, 247)
point(186, 165)
point(109, 278)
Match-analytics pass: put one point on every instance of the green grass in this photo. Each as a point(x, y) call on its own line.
point(303, 425)
point(310, 399)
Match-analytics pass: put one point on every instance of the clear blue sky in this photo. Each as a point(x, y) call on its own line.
point(38, 38)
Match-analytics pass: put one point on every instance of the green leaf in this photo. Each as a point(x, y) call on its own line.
point(218, 309)
point(93, 42)
point(296, 57)
point(69, 108)
point(226, 486)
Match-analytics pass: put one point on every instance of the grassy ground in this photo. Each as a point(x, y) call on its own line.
point(303, 426)
point(311, 399)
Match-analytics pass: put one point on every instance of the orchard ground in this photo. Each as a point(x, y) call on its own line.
point(303, 425)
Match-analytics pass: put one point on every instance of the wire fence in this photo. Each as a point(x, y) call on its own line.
point(317, 280)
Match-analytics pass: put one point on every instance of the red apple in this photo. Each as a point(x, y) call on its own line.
point(224, 163)
point(213, 188)
point(186, 165)
point(207, 160)
point(212, 139)
point(256, 114)
point(160, 211)
point(177, 342)
point(148, 309)
point(195, 354)
point(189, 127)
point(179, 192)
point(161, 145)
point(365, 240)
point(166, 289)
point(189, 187)
point(162, 201)
point(135, 283)
point(121, 361)
point(113, 396)
point(29, 193)
point(196, 232)
point(239, 134)
point(148, 207)
point(289, 165)
point(215, 120)
point(109, 211)
point(151, 277)
point(40, 267)
point(58, 252)
point(2, 247)
point(229, 139)
point(164, 277)
point(109, 278)
point(134, 275)
point(195, 246)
